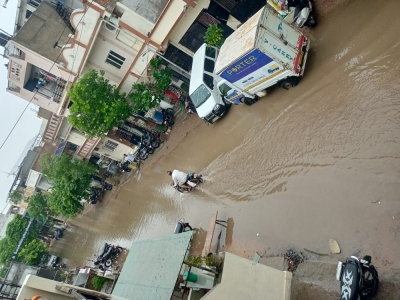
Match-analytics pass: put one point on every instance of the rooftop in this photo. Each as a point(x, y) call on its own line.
point(152, 268)
point(42, 31)
point(150, 10)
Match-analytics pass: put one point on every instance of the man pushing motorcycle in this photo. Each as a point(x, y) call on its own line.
point(179, 179)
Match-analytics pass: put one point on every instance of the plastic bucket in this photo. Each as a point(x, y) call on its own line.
point(191, 277)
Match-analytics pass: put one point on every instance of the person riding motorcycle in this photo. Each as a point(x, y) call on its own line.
point(179, 178)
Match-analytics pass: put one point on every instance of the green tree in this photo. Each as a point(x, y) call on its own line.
point(33, 252)
point(146, 95)
point(38, 206)
point(97, 106)
point(71, 180)
point(213, 36)
point(15, 196)
point(14, 231)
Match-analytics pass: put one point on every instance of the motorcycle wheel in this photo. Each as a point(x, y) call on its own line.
point(181, 190)
point(143, 156)
point(155, 144)
point(187, 228)
point(310, 23)
point(108, 263)
point(150, 150)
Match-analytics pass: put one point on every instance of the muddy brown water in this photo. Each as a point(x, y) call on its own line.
point(300, 167)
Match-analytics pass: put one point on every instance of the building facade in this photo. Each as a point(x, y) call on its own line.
point(57, 42)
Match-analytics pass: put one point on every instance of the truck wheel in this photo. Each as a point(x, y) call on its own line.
point(249, 101)
point(287, 83)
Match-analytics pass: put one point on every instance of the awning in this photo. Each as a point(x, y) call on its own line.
point(152, 268)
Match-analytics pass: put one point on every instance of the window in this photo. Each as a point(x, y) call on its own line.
point(224, 89)
point(115, 59)
point(35, 3)
point(200, 95)
point(110, 146)
point(28, 14)
point(209, 65)
point(210, 52)
point(209, 81)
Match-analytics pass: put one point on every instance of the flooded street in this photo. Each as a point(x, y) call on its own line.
point(299, 167)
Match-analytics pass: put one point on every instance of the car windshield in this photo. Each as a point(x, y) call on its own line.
point(200, 95)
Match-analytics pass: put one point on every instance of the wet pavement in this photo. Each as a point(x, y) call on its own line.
point(299, 167)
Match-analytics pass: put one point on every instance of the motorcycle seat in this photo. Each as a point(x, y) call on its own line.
point(349, 283)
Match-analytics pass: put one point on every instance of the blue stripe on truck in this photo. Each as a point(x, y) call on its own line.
point(246, 65)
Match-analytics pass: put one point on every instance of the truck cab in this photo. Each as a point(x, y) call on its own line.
point(203, 89)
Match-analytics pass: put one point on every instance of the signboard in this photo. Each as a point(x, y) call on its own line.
point(245, 66)
point(252, 70)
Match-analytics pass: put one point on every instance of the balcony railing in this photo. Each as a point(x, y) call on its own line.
point(65, 13)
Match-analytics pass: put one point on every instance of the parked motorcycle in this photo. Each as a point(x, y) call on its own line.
point(108, 253)
point(142, 153)
point(193, 180)
point(358, 278)
point(189, 106)
point(99, 182)
point(296, 12)
point(168, 116)
point(95, 195)
point(124, 166)
point(59, 233)
point(181, 226)
point(152, 139)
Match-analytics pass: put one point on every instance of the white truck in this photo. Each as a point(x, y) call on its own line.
point(262, 52)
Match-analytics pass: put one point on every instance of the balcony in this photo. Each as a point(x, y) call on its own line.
point(44, 83)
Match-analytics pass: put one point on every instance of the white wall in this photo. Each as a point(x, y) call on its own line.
point(105, 42)
point(118, 153)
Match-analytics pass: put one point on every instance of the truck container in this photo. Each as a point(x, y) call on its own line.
point(262, 52)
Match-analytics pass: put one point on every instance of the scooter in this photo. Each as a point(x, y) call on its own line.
point(297, 12)
point(108, 253)
point(181, 226)
point(193, 180)
point(358, 278)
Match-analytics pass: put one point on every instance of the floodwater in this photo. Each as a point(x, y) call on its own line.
point(300, 167)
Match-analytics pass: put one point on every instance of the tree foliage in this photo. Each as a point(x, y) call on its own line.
point(33, 252)
point(14, 231)
point(38, 206)
point(213, 36)
point(97, 106)
point(146, 95)
point(15, 196)
point(71, 180)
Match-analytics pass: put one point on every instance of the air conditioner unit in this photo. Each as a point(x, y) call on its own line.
point(111, 24)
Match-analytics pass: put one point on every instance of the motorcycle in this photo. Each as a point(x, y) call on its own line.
point(59, 233)
point(107, 255)
point(297, 12)
point(168, 116)
point(124, 166)
point(358, 278)
point(142, 153)
point(189, 106)
point(152, 139)
point(99, 182)
point(181, 226)
point(192, 181)
point(95, 195)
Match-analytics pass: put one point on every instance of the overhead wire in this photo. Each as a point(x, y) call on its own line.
point(52, 66)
